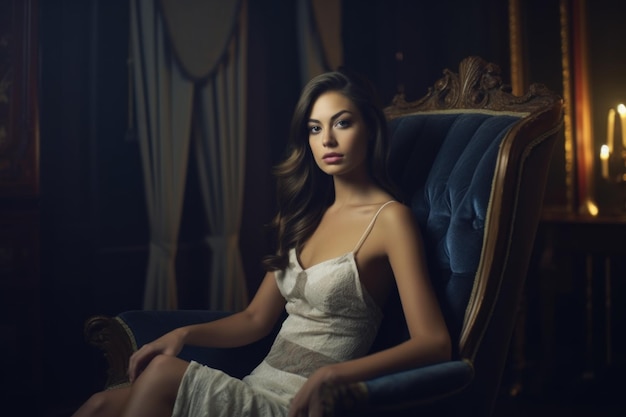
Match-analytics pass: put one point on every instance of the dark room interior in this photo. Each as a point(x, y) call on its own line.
point(74, 229)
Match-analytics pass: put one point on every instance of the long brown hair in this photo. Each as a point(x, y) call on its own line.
point(304, 192)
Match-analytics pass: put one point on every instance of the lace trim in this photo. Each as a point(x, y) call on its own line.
point(293, 358)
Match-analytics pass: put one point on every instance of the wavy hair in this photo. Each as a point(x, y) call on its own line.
point(304, 191)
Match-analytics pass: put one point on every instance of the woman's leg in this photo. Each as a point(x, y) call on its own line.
point(153, 394)
point(108, 403)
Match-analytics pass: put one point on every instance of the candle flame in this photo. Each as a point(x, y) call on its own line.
point(592, 208)
point(621, 109)
point(604, 152)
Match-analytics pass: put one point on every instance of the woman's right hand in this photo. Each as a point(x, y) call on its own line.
point(169, 344)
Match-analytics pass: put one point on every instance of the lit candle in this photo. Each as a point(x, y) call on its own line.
point(621, 109)
point(610, 136)
point(604, 157)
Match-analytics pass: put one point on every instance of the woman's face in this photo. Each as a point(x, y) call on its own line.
point(338, 136)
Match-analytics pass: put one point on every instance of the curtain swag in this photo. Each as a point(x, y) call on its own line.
point(200, 31)
point(173, 47)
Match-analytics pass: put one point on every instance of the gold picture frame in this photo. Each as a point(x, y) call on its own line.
point(578, 151)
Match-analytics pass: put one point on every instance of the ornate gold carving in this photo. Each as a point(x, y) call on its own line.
point(110, 336)
point(478, 85)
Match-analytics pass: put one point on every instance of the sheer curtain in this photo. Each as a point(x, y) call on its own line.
point(163, 102)
point(182, 49)
point(220, 144)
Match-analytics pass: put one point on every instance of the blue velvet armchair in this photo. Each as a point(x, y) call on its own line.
point(472, 160)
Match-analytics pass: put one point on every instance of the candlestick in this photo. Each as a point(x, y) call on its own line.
point(610, 136)
point(621, 109)
point(604, 157)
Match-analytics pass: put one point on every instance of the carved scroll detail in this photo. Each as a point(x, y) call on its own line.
point(109, 335)
point(478, 85)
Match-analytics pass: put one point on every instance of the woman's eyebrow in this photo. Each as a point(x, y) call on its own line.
point(333, 117)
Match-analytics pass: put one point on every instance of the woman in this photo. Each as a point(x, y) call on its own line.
point(343, 243)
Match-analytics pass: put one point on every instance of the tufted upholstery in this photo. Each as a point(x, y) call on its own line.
point(472, 161)
point(444, 163)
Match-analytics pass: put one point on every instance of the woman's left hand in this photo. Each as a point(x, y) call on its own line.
point(308, 401)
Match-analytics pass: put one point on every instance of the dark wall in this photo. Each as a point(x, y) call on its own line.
point(542, 45)
point(430, 35)
point(93, 223)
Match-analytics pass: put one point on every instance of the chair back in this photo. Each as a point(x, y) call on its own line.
point(472, 160)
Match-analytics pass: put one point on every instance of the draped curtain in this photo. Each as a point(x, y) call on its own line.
point(220, 142)
point(182, 49)
point(163, 102)
point(320, 45)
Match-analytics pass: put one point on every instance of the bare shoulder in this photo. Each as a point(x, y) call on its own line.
point(398, 225)
point(396, 215)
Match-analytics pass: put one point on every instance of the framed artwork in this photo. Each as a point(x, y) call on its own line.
point(579, 149)
point(549, 42)
point(594, 89)
point(18, 99)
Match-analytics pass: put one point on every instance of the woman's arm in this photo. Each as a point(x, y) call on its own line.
point(242, 328)
point(239, 329)
point(429, 340)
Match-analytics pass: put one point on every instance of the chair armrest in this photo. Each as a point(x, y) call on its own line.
point(427, 388)
point(118, 337)
point(109, 335)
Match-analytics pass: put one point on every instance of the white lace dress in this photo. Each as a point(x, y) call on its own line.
point(331, 319)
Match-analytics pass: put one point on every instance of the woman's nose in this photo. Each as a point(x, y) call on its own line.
point(329, 139)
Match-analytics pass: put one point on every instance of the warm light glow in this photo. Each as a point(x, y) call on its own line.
point(621, 109)
point(604, 152)
point(611, 130)
point(592, 208)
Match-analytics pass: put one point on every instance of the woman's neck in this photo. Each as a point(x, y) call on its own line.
point(350, 192)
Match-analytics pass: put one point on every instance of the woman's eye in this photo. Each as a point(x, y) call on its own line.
point(342, 123)
point(314, 129)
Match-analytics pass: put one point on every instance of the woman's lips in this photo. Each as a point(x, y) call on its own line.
point(332, 158)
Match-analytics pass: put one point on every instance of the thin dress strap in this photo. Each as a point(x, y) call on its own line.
point(370, 226)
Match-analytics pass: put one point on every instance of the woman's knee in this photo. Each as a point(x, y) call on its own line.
point(157, 386)
point(163, 369)
point(163, 363)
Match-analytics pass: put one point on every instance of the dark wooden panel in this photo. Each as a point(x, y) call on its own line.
point(18, 99)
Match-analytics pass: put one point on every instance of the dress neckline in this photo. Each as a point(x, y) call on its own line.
point(350, 256)
point(353, 252)
point(327, 261)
